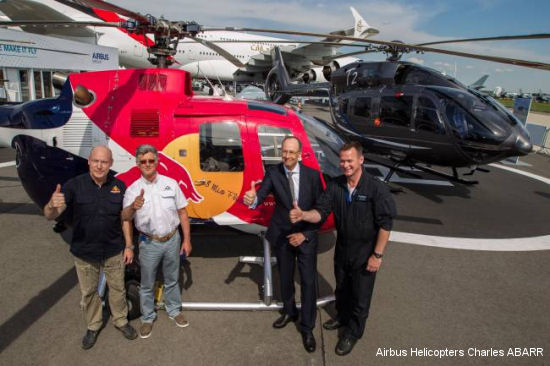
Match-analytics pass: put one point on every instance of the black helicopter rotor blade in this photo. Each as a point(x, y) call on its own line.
point(498, 38)
point(100, 4)
point(398, 45)
point(289, 42)
point(228, 56)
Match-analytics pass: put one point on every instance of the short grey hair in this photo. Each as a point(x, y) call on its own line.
point(144, 149)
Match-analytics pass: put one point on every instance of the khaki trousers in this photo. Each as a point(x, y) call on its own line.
point(90, 303)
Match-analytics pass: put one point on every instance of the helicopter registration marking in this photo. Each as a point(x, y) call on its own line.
point(351, 73)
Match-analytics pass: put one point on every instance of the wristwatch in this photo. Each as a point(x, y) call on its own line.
point(131, 247)
point(378, 255)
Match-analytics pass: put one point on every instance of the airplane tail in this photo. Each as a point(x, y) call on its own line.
point(480, 83)
point(361, 28)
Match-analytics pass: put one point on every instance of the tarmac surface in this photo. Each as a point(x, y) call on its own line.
point(426, 299)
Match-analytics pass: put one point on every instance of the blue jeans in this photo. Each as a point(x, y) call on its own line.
point(151, 254)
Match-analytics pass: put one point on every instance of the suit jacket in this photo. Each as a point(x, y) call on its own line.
point(276, 182)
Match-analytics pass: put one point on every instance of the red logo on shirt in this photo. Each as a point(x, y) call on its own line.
point(169, 168)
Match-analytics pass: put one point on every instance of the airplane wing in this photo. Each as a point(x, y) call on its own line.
point(301, 58)
point(18, 10)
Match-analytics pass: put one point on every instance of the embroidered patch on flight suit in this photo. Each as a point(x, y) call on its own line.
point(115, 189)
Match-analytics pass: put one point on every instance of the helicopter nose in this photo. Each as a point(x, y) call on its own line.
point(524, 145)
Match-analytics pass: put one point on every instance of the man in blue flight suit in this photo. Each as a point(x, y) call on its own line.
point(363, 212)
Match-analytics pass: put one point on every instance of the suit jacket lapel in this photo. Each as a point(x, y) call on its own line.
point(302, 184)
point(285, 184)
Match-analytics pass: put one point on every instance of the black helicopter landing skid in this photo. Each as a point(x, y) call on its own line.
point(396, 166)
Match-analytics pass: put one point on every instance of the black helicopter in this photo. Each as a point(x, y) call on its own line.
point(413, 114)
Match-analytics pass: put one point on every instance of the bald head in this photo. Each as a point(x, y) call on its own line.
point(100, 162)
point(101, 150)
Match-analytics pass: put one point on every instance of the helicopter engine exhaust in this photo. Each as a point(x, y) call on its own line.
point(309, 76)
point(82, 96)
point(329, 69)
point(59, 79)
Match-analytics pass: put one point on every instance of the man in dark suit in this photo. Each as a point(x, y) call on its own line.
point(293, 184)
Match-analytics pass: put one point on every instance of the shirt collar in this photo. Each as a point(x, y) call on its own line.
point(145, 181)
point(296, 169)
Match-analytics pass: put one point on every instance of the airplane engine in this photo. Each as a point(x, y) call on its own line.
point(329, 69)
point(309, 76)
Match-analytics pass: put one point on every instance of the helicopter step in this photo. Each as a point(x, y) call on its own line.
point(266, 261)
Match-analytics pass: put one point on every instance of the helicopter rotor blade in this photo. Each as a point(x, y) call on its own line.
point(229, 57)
point(57, 23)
point(398, 45)
point(499, 38)
point(104, 5)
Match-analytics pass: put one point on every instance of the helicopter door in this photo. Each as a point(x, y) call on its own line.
point(430, 138)
point(394, 121)
point(215, 161)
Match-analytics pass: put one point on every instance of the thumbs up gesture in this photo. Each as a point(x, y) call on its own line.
point(296, 214)
point(58, 198)
point(250, 195)
point(139, 201)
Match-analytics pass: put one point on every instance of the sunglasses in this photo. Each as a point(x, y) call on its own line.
point(145, 161)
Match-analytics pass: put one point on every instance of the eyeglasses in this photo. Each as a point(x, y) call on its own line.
point(147, 161)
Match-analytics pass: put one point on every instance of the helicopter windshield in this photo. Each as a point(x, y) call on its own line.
point(471, 119)
point(325, 144)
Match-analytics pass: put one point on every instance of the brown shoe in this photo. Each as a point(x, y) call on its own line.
point(180, 320)
point(145, 330)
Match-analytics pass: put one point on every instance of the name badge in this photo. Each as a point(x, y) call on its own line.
point(361, 198)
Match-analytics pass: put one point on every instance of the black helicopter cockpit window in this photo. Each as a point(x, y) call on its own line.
point(396, 110)
point(221, 147)
point(466, 127)
point(270, 143)
point(426, 117)
point(325, 143)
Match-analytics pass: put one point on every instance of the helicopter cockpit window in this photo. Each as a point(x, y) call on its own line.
point(325, 144)
point(426, 118)
point(466, 127)
point(396, 110)
point(221, 147)
point(270, 143)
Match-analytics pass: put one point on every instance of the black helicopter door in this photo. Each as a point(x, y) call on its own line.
point(430, 141)
point(393, 123)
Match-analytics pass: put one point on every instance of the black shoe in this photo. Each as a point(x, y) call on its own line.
point(284, 320)
point(332, 324)
point(128, 331)
point(345, 345)
point(89, 338)
point(309, 341)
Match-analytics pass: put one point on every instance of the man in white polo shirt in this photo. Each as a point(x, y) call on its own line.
point(157, 205)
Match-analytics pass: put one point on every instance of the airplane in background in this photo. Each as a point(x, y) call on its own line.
point(222, 56)
point(479, 83)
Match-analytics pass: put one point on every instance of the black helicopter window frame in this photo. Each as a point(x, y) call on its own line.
point(391, 119)
point(434, 124)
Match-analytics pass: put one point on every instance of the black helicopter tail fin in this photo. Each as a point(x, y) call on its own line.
point(277, 80)
point(278, 87)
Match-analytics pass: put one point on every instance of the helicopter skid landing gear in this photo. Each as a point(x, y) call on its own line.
point(455, 177)
point(266, 261)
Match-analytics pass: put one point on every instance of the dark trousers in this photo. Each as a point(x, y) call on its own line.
point(353, 294)
point(306, 256)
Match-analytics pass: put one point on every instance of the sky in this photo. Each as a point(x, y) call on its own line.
point(410, 21)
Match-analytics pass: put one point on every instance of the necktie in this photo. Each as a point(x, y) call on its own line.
point(291, 184)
